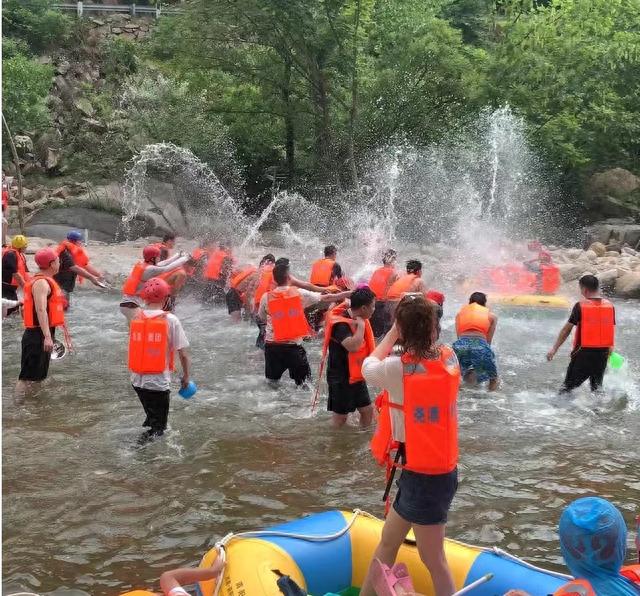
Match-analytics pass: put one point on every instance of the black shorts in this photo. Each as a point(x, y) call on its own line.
point(381, 320)
point(34, 362)
point(156, 408)
point(425, 499)
point(345, 398)
point(9, 292)
point(233, 300)
point(586, 363)
point(281, 357)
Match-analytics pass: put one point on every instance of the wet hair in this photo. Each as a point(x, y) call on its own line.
point(414, 266)
point(330, 250)
point(417, 322)
point(281, 273)
point(478, 298)
point(282, 261)
point(267, 259)
point(388, 256)
point(362, 297)
point(589, 282)
point(168, 236)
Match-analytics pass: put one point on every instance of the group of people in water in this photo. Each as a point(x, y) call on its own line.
point(384, 333)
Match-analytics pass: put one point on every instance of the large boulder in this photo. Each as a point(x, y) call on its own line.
point(608, 279)
point(628, 285)
point(614, 231)
point(598, 248)
point(571, 271)
point(613, 193)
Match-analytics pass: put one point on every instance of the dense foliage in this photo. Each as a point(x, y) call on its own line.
point(301, 91)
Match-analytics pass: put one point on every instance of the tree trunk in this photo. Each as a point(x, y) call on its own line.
point(289, 129)
point(16, 163)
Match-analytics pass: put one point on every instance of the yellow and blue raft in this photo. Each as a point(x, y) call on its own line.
point(329, 553)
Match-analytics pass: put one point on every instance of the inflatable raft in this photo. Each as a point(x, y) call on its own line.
point(529, 300)
point(329, 553)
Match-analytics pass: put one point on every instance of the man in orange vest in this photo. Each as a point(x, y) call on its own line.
point(73, 263)
point(154, 337)
point(282, 309)
point(348, 341)
point(42, 313)
point(409, 283)
point(475, 327)
point(594, 319)
point(216, 273)
point(325, 271)
point(15, 272)
point(381, 280)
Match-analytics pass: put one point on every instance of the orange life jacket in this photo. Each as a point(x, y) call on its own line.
point(56, 303)
point(550, 279)
point(379, 282)
point(632, 572)
point(576, 587)
point(321, 271)
point(195, 255)
point(430, 389)
point(355, 359)
point(78, 253)
point(131, 286)
point(214, 264)
point(21, 265)
point(289, 323)
point(239, 276)
point(148, 345)
point(473, 317)
point(597, 324)
point(265, 284)
point(401, 286)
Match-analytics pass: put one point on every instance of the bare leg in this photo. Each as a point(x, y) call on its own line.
point(430, 542)
point(494, 384)
point(366, 416)
point(470, 378)
point(393, 534)
point(24, 388)
point(339, 420)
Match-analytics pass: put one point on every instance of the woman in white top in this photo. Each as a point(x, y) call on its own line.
point(422, 381)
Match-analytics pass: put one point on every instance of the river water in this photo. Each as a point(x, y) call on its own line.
point(86, 512)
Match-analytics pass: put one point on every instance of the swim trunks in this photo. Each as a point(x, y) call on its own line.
point(475, 355)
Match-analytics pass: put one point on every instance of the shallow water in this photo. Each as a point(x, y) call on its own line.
point(85, 511)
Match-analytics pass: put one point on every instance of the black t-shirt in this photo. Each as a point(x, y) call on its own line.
point(65, 277)
point(338, 358)
point(574, 318)
point(9, 267)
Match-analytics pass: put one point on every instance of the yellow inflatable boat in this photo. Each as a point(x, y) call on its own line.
point(529, 300)
point(329, 553)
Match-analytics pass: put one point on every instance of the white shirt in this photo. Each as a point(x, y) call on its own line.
point(388, 374)
point(153, 271)
point(308, 299)
point(177, 341)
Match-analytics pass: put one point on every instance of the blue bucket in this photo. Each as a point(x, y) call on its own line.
point(189, 391)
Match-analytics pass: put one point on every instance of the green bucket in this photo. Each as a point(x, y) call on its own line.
point(616, 360)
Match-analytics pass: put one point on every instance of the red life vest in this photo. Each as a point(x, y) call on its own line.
point(550, 279)
point(597, 324)
point(321, 272)
point(132, 285)
point(148, 345)
point(239, 276)
point(288, 321)
point(379, 282)
point(265, 284)
point(56, 303)
point(430, 389)
point(214, 264)
point(473, 317)
point(632, 572)
point(576, 587)
point(355, 359)
point(401, 286)
point(21, 265)
point(78, 253)
point(195, 255)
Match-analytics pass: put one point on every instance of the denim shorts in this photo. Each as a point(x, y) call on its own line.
point(425, 499)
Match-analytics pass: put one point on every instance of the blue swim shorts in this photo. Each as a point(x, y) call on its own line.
point(475, 354)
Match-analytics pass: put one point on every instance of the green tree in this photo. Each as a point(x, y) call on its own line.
point(36, 23)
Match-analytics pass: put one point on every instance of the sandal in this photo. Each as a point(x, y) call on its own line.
point(385, 579)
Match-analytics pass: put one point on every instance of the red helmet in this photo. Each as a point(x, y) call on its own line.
point(155, 290)
point(151, 251)
point(544, 256)
point(44, 257)
point(437, 297)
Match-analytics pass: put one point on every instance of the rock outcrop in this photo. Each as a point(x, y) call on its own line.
point(613, 193)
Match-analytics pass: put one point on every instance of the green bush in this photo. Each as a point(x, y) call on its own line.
point(36, 23)
point(119, 58)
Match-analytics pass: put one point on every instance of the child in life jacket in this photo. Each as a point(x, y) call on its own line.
point(417, 424)
point(593, 541)
point(154, 338)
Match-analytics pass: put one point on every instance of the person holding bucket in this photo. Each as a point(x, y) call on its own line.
point(154, 337)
